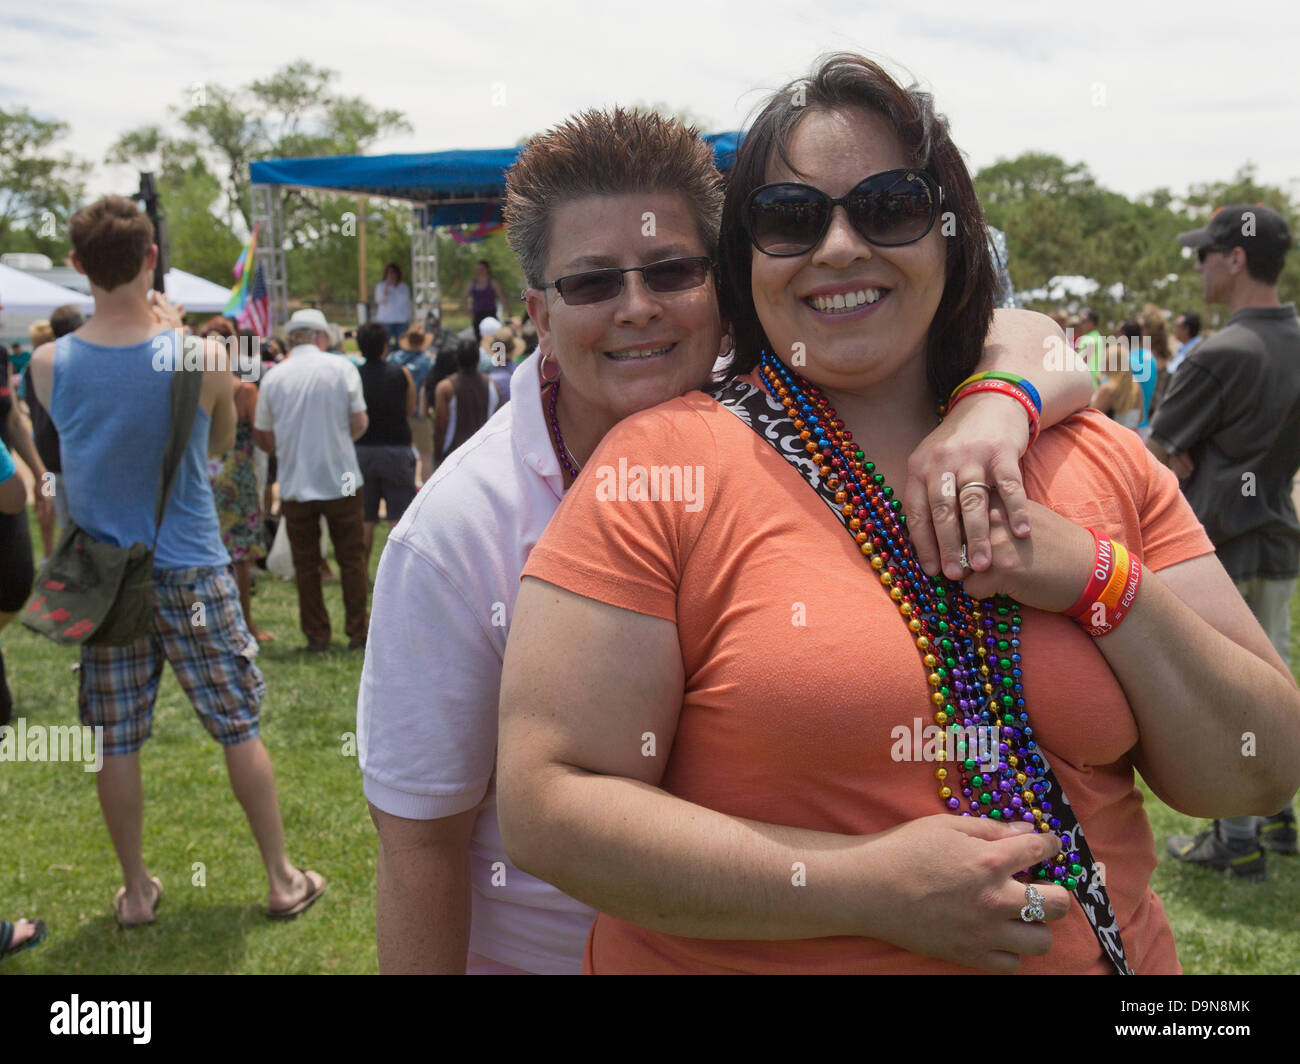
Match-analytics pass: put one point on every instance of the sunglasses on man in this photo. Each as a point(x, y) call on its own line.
point(888, 209)
point(663, 277)
point(1201, 253)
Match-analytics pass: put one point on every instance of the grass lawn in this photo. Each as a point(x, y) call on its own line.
point(58, 863)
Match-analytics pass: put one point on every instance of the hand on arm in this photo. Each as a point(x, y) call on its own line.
point(982, 440)
point(581, 807)
point(1178, 461)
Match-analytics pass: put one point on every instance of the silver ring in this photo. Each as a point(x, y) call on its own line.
point(975, 484)
point(1033, 912)
point(965, 561)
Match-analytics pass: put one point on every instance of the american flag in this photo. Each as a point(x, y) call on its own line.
point(256, 314)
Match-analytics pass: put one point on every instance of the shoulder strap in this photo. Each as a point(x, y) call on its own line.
point(185, 389)
point(762, 413)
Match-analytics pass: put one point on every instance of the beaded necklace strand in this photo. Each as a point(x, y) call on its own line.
point(561, 452)
point(970, 650)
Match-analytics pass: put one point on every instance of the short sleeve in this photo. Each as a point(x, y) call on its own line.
point(1171, 531)
point(1192, 409)
point(1101, 475)
point(624, 532)
point(263, 417)
point(427, 704)
point(6, 463)
point(356, 395)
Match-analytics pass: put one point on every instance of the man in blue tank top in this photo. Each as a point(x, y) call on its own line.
point(107, 389)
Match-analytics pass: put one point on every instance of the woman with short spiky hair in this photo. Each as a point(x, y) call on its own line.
point(614, 216)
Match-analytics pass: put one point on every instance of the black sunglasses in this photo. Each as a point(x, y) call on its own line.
point(668, 275)
point(888, 209)
point(1201, 253)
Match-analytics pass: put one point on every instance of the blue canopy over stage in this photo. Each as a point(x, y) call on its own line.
point(462, 187)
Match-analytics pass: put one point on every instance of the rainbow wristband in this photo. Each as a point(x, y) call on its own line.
point(1019, 382)
point(1002, 388)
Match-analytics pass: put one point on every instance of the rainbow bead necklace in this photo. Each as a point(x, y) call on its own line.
point(970, 650)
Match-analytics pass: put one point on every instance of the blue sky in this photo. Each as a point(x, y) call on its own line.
point(1147, 94)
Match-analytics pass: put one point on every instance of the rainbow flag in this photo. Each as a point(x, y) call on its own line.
point(481, 232)
point(239, 291)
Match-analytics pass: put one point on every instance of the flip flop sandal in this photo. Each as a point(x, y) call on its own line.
point(305, 903)
point(7, 930)
point(120, 897)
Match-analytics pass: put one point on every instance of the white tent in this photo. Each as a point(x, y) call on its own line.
point(25, 299)
point(23, 294)
point(196, 294)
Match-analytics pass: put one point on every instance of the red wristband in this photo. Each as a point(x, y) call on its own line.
point(1002, 388)
point(1130, 571)
point(1102, 567)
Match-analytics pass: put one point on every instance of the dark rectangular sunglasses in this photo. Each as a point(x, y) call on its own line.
point(888, 209)
point(1202, 253)
point(667, 275)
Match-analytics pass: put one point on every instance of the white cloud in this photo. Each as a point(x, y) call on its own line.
point(1146, 96)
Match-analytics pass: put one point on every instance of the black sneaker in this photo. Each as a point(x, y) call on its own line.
point(1277, 833)
point(1210, 850)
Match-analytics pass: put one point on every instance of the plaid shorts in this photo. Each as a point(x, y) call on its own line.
point(198, 627)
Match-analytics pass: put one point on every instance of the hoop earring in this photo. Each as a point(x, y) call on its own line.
point(541, 367)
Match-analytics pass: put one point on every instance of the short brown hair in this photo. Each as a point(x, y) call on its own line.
point(844, 81)
point(217, 326)
point(607, 153)
point(111, 238)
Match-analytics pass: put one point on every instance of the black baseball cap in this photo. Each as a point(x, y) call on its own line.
point(1245, 225)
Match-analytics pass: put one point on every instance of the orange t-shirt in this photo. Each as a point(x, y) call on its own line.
point(798, 666)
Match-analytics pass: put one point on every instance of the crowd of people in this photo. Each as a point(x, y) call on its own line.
point(630, 690)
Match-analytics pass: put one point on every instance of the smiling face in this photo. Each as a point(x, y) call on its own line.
point(640, 348)
point(862, 313)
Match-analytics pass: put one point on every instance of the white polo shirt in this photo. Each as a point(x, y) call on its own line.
point(307, 401)
point(427, 708)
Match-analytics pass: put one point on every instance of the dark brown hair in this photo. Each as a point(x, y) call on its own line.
point(606, 153)
point(111, 238)
point(844, 81)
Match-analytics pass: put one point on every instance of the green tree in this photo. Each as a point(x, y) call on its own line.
point(1059, 221)
point(293, 113)
point(39, 188)
point(201, 239)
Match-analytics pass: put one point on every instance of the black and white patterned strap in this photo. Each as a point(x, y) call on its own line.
point(767, 417)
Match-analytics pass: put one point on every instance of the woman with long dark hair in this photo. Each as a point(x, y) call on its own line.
point(463, 402)
point(728, 654)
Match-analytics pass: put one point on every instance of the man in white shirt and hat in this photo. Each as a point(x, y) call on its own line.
point(309, 412)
